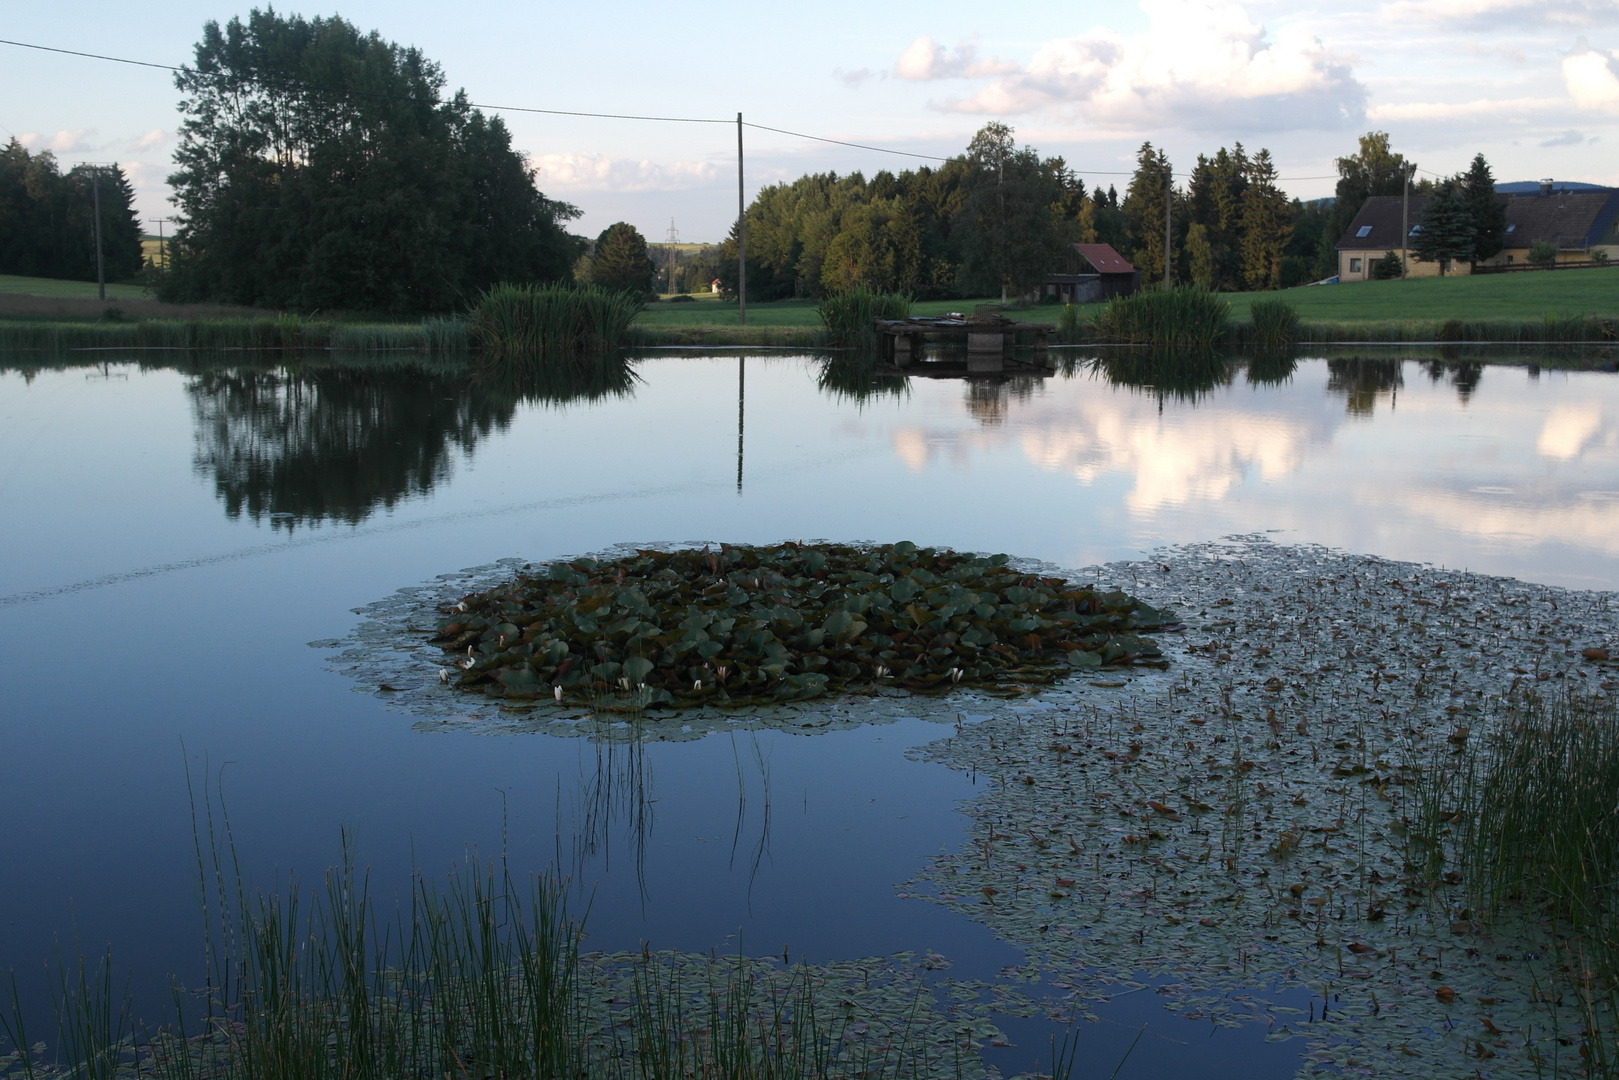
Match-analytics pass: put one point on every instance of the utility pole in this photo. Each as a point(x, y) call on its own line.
point(1405, 220)
point(101, 265)
point(1169, 193)
point(741, 235)
point(674, 238)
point(162, 252)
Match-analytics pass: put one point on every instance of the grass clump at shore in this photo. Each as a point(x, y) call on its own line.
point(760, 625)
point(1180, 315)
point(1275, 323)
point(848, 317)
point(527, 320)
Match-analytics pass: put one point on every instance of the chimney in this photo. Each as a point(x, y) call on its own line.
point(1546, 188)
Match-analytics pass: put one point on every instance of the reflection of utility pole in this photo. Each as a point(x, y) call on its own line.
point(741, 412)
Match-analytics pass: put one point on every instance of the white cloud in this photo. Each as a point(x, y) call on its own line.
point(1591, 80)
point(925, 59)
point(150, 141)
point(1199, 64)
point(1493, 109)
point(1567, 138)
point(597, 172)
point(72, 142)
point(1502, 14)
point(855, 79)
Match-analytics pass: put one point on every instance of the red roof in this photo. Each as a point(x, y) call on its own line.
point(1104, 259)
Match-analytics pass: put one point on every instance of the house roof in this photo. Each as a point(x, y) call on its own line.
point(1104, 259)
point(1377, 226)
point(1569, 219)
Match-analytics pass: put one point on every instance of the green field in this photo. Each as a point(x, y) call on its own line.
point(801, 314)
point(80, 290)
point(1488, 296)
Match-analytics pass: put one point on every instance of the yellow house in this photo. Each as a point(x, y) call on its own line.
point(1580, 224)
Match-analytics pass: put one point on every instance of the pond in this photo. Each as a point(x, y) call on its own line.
point(178, 529)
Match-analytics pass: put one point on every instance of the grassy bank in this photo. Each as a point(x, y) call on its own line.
point(1561, 307)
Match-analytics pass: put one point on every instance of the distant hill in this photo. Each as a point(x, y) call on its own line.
point(1530, 187)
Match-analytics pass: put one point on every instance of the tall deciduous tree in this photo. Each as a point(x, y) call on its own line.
point(1005, 224)
point(1267, 224)
point(1489, 213)
point(1374, 170)
point(322, 167)
point(1145, 204)
point(620, 260)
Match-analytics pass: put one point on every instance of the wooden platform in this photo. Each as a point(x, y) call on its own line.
point(986, 331)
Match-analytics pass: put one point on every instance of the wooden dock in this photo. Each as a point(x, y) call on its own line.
point(987, 332)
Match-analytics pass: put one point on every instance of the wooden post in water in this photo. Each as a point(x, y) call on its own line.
point(741, 246)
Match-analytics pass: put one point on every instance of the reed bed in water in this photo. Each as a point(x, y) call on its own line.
point(481, 976)
point(847, 318)
point(1180, 315)
point(526, 320)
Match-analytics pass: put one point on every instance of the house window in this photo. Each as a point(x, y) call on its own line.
point(1354, 266)
point(1363, 232)
point(1509, 260)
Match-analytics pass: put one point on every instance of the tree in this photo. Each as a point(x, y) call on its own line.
point(1543, 254)
point(1214, 200)
point(1145, 203)
point(1446, 232)
point(1388, 267)
point(47, 219)
point(1374, 170)
point(1266, 225)
point(1005, 228)
point(620, 260)
point(1200, 258)
point(320, 167)
point(1488, 213)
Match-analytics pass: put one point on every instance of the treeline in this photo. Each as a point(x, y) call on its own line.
point(320, 167)
point(48, 223)
point(1000, 215)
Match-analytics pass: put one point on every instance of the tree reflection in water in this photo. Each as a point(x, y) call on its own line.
point(299, 445)
point(1173, 374)
point(1361, 380)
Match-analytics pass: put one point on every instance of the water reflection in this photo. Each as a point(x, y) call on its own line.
point(1362, 380)
point(1165, 374)
point(300, 445)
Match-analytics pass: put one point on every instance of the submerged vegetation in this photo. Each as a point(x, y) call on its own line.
point(758, 625)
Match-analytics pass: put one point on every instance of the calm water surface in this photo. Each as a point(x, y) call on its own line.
point(174, 535)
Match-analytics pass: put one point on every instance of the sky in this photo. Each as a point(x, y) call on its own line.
point(1532, 84)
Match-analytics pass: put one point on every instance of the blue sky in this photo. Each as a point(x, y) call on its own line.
point(1534, 84)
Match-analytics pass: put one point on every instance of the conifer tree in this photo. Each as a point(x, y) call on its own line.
point(1447, 233)
point(621, 261)
point(1267, 225)
point(1489, 214)
point(1144, 208)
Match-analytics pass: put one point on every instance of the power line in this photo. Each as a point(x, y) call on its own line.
point(559, 112)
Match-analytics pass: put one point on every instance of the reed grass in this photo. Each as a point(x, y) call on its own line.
point(1526, 814)
point(1275, 323)
point(479, 975)
point(530, 320)
point(849, 318)
point(1180, 315)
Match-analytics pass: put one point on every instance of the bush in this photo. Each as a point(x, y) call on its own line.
point(1600, 256)
point(1543, 253)
point(1388, 267)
